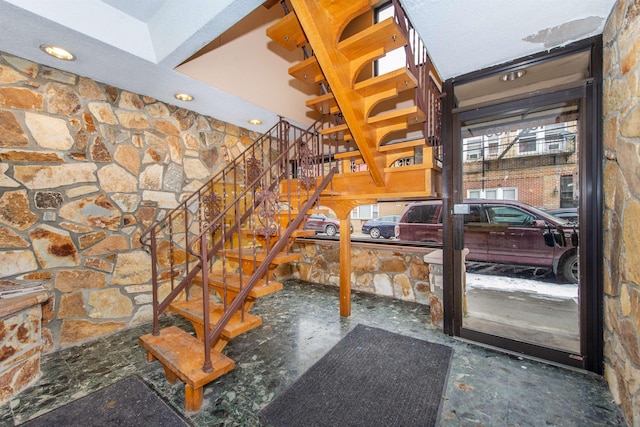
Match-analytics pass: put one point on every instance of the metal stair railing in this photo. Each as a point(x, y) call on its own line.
point(260, 268)
point(236, 198)
point(258, 209)
point(428, 92)
point(166, 240)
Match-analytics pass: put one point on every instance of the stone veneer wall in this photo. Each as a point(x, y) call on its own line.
point(621, 106)
point(399, 273)
point(85, 168)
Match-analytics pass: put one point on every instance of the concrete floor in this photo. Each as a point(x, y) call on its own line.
point(300, 324)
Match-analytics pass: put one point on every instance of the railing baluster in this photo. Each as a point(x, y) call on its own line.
point(154, 289)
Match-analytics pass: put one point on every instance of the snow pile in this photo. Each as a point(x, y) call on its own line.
point(513, 284)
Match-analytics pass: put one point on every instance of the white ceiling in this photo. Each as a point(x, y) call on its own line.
point(135, 45)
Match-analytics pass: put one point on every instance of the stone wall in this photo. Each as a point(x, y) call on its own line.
point(85, 168)
point(397, 273)
point(622, 205)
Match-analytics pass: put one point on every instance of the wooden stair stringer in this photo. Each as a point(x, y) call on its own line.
point(323, 23)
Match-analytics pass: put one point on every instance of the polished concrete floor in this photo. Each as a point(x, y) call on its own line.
point(300, 324)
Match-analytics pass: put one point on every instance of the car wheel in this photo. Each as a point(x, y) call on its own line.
point(374, 233)
point(330, 230)
point(569, 268)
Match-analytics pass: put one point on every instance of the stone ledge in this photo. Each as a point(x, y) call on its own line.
point(12, 305)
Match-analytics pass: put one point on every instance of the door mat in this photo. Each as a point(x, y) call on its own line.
point(128, 402)
point(372, 377)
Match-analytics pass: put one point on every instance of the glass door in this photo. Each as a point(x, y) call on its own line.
point(518, 226)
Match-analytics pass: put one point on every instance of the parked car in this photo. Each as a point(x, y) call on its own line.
point(569, 214)
point(322, 223)
point(383, 226)
point(500, 231)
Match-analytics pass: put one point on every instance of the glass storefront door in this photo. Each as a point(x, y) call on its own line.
point(520, 289)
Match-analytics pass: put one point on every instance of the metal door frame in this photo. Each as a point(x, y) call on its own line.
point(591, 205)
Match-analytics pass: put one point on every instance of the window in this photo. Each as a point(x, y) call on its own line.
point(500, 193)
point(365, 212)
point(556, 136)
point(509, 215)
point(476, 215)
point(566, 191)
point(527, 144)
point(473, 148)
point(422, 214)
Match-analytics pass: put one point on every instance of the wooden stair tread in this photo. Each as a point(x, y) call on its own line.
point(324, 103)
point(307, 71)
point(378, 39)
point(303, 233)
point(341, 131)
point(183, 354)
point(385, 149)
point(193, 309)
point(287, 32)
point(260, 289)
point(401, 116)
point(260, 255)
point(333, 129)
point(401, 79)
point(402, 145)
point(347, 154)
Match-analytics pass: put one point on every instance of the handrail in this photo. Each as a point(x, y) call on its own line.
point(428, 93)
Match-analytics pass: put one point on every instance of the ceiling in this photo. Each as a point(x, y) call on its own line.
point(137, 45)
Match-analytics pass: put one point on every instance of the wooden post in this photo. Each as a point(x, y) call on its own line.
point(345, 267)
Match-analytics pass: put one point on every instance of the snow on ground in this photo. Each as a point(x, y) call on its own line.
point(513, 284)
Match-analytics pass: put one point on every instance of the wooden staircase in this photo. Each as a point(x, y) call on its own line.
point(389, 120)
point(216, 253)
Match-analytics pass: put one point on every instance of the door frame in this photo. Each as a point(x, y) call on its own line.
point(591, 316)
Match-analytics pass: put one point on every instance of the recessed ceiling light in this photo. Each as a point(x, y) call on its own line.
point(184, 97)
point(512, 75)
point(255, 121)
point(57, 52)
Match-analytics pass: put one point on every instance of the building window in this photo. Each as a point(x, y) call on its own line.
point(566, 192)
point(365, 212)
point(527, 144)
point(473, 149)
point(499, 193)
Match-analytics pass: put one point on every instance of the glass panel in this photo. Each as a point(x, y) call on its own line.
point(522, 266)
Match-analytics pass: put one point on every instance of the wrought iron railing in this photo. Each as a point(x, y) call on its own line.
point(240, 210)
point(428, 92)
